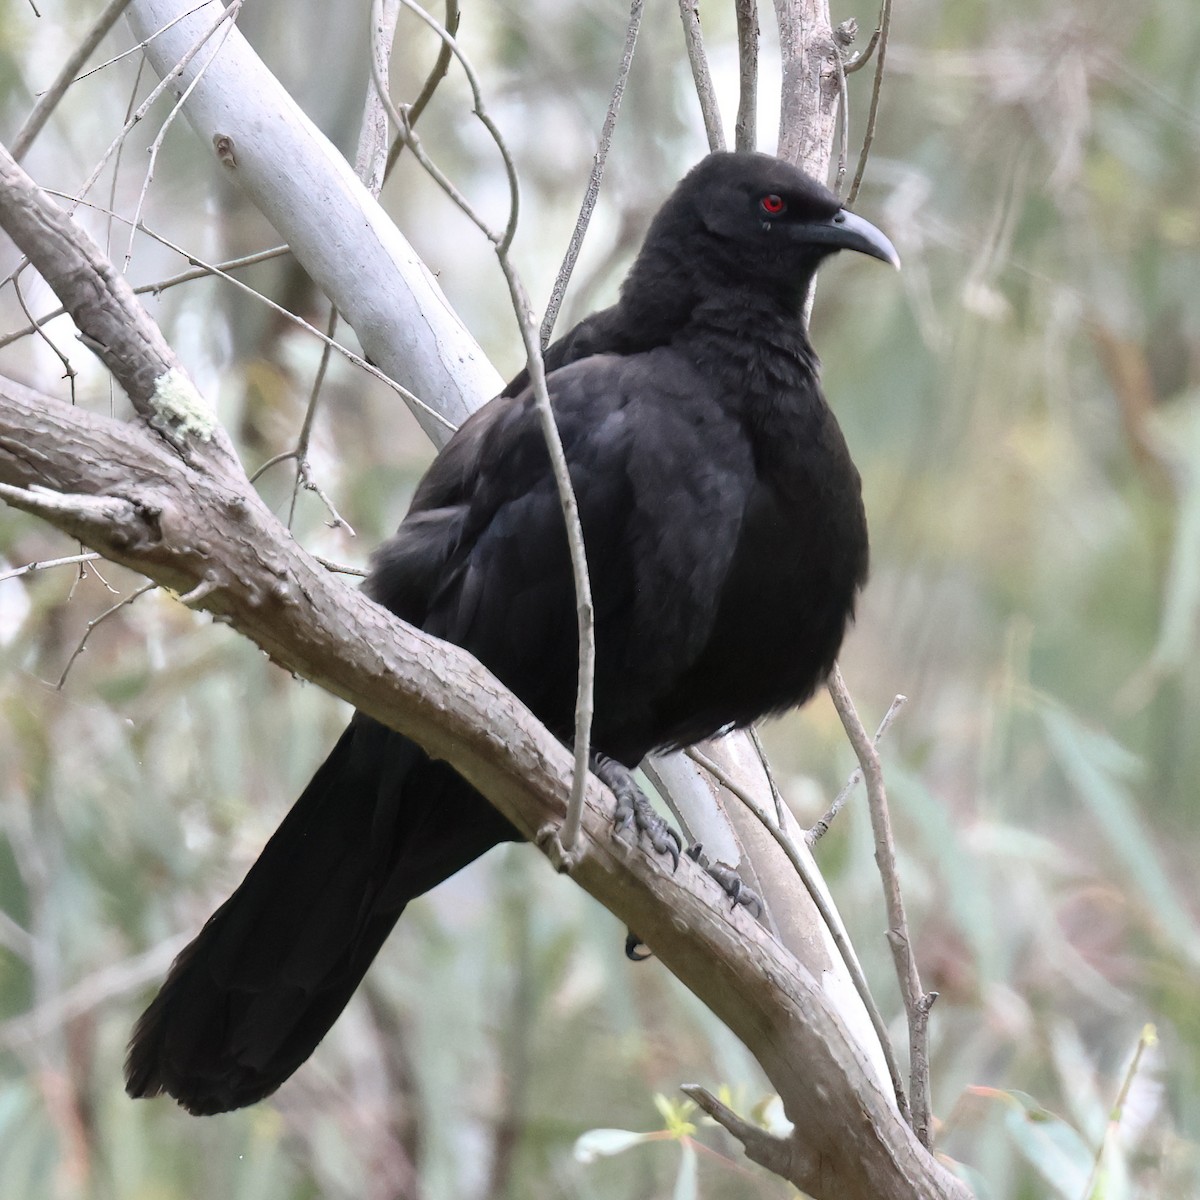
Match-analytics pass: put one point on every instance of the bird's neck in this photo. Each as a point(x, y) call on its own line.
point(751, 341)
point(759, 355)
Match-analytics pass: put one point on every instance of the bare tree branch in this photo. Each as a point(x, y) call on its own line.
point(917, 1002)
point(885, 25)
point(58, 89)
point(809, 96)
point(592, 193)
point(566, 837)
point(805, 868)
point(746, 127)
point(44, 564)
point(436, 74)
point(821, 826)
point(689, 11)
point(341, 236)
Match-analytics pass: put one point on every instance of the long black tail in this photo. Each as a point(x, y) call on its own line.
point(247, 1002)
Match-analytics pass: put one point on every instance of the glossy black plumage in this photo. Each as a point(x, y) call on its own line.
point(726, 542)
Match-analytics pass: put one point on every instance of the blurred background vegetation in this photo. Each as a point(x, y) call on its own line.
point(1023, 404)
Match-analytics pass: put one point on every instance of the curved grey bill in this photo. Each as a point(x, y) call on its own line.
point(848, 231)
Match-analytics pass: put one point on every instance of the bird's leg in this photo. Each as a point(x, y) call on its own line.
point(634, 809)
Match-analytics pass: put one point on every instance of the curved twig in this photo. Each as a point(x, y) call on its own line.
point(832, 924)
point(90, 628)
point(436, 74)
point(885, 25)
point(559, 290)
point(569, 834)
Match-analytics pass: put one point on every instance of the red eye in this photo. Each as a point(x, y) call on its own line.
point(773, 205)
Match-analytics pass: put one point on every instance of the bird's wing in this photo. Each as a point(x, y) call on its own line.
point(661, 474)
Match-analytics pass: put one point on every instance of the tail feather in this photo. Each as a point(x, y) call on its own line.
point(249, 999)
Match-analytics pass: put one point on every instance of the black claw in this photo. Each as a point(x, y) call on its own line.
point(632, 942)
point(730, 881)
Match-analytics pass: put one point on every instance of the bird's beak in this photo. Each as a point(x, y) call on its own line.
point(848, 231)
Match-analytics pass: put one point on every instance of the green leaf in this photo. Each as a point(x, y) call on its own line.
point(1100, 769)
point(1052, 1147)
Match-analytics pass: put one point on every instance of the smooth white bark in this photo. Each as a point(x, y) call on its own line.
point(336, 229)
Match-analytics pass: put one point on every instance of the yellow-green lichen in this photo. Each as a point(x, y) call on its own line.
point(177, 402)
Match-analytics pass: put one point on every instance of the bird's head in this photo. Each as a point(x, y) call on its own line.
point(750, 220)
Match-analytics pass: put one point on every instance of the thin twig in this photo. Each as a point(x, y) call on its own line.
point(595, 178)
point(821, 827)
point(885, 25)
point(349, 355)
point(156, 145)
point(140, 46)
point(917, 1001)
point(339, 568)
point(843, 38)
point(58, 89)
point(44, 564)
point(161, 285)
point(167, 80)
point(69, 371)
point(304, 477)
point(761, 751)
point(569, 834)
point(863, 57)
point(828, 916)
point(110, 220)
point(91, 626)
point(1147, 1038)
point(436, 74)
point(689, 12)
point(745, 129)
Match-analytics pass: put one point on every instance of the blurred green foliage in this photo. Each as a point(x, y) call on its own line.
point(1024, 403)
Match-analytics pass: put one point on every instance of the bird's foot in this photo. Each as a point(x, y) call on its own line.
point(634, 810)
point(731, 884)
point(730, 881)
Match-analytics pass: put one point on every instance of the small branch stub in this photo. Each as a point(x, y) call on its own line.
point(564, 861)
point(223, 146)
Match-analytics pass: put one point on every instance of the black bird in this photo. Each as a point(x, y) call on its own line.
point(726, 543)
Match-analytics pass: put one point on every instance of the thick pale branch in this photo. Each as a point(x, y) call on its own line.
point(306, 189)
